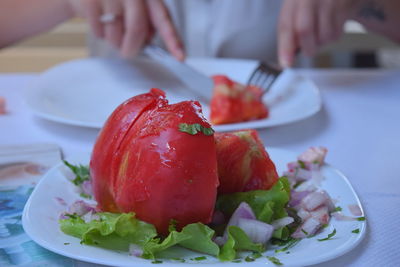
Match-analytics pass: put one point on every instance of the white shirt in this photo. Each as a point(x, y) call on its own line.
point(222, 28)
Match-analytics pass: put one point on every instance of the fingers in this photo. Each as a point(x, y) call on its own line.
point(305, 24)
point(92, 10)
point(327, 24)
point(136, 27)
point(113, 31)
point(162, 23)
point(287, 42)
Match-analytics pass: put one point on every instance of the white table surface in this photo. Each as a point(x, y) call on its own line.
point(359, 124)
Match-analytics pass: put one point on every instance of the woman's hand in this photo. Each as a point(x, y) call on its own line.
point(129, 24)
point(306, 25)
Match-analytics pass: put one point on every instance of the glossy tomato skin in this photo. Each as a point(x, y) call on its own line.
point(243, 163)
point(109, 140)
point(233, 102)
point(161, 173)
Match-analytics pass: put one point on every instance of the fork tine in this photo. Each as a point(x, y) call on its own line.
point(264, 76)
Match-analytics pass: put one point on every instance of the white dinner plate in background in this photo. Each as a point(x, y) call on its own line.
point(84, 92)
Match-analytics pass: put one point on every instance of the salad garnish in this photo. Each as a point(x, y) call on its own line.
point(274, 260)
point(290, 214)
point(329, 236)
point(195, 128)
point(81, 172)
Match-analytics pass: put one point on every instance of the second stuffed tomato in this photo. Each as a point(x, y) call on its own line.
point(158, 160)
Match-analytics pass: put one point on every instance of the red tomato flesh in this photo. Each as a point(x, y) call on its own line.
point(151, 167)
point(243, 163)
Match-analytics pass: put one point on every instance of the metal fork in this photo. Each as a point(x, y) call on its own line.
point(264, 76)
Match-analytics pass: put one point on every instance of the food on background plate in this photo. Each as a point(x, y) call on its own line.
point(233, 102)
point(154, 175)
point(243, 163)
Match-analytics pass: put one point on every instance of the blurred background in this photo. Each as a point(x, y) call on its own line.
point(356, 49)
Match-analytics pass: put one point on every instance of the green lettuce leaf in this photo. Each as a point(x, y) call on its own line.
point(268, 205)
point(112, 231)
point(195, 236)
point(237, 241)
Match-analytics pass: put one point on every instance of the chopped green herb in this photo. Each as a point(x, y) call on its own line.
point(297, 184)
point(329, 236)
point(302, 164)
point(324, 226)
point(361, 219)
point(72, 216)
point(256, 255)
point(292, 242)
point(356, 231)
point(304, 231)
point(195, 128)
point(237, 261)
point(338, 208)
point(202, 258)
point(249, 259)
point(66, 243)
point(274, 260)
point(178, 259)
point(81, 172)
point(156, 262)
point(85, 196)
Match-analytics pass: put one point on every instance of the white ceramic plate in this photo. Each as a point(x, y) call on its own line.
point(41, 214)
point(84, 92)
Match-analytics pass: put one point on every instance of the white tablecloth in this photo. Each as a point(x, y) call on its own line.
point(359, 124)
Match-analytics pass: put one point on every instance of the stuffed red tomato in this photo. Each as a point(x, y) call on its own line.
point(233, 102)
point(157, 160)
point(243, 163)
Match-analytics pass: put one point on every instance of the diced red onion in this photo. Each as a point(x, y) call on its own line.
point(242, 211)
point(308, 228)
point(303, 174)
point(316, 199)
point(257, 231)
point(90, 216)
point(135, 250)
point(277, 224)
point(355, 210)
point(87, 187)
point(62, 216)
point(321, 214)
point(296, 197)
point(341, 217)
point(61, 201)
point(293, 166)
point(314, 155)
point(307, 186)
point(80, 208)
point(303, 214)
point(219, 240)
